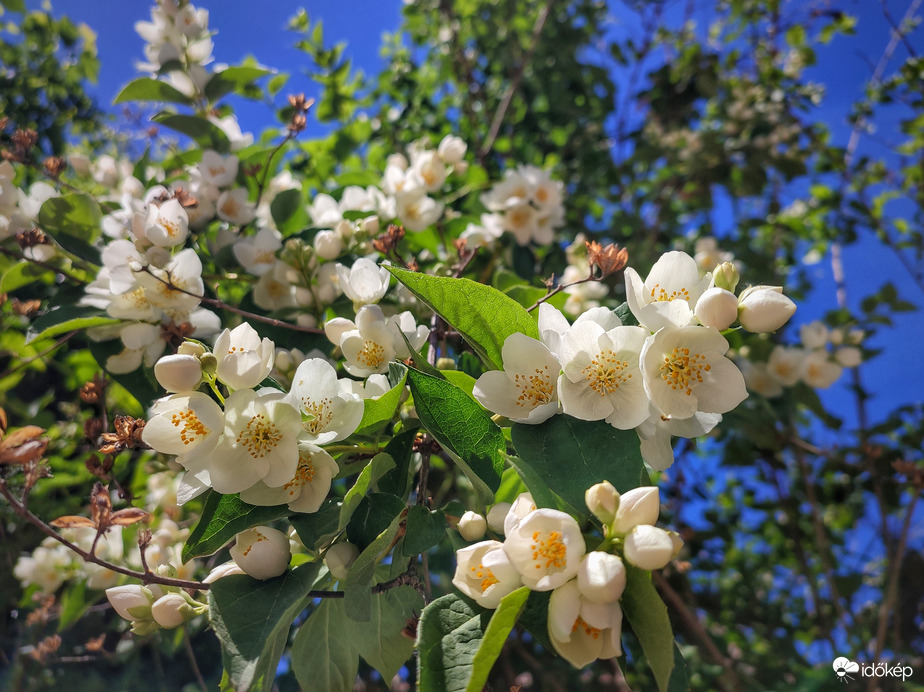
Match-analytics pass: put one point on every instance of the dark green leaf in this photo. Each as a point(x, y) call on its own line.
point(484, 316)
point(67, 318)
point(318, 527)
point(203, 132)
point(232, 79)
point(289, 211)
point(448, 638)
point(425, 529)
point(375, 469)
point(223, 517)
point(569, 455)
point(499, 628)
point(398, 480)
point(463, 428)
point(251, 619)
point(146, 89)
point(647, 615)
point(372, 516)
point(358, 587)
point(324, 655)
point(380, 641)
point(22, 274)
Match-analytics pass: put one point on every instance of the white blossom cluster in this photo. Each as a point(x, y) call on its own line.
point(667, 377)
point(19, 210)
point(179, 43)
point(545, 550)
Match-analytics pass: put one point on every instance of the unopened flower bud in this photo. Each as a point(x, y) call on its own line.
point(328, 244)
point(725, 276)
point(678, 543)
point(496, 516)
point(472, 526)
point(172, 610)
point(764, 309)
point(602, 500)
point(717, 308)
point(339, 557)
point(648, 547)
point(209, 363)
point(262, 552)
point(601, 578)
point(848, 356)
point(445, 364)
point(638, 506)
point(133, 601)
point(451, 149)
point(370, 225)
point(192, 348)
point(178, 373)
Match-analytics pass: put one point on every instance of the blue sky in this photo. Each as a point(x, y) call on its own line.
point(843, 67)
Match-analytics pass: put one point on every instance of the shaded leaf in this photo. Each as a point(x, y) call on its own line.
point(358, 586)
point(647, 615)
point(499, 628)
point(450, 633)
point(200, 130)
point(425, 529)
point(67, 318)
point(232, 79)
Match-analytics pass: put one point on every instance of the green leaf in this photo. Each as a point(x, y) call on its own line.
point(380, 641)
point(200, 130)
point(502, 622)
point(76, 214)
point(680, 681)
point(484, 316)
point(462, 380)
point(251, 619)
point(289, 211)
point(146, 89)
point(448, 639)
point(318, 527)
point(74, 603)
point(232, 79)
point(372, 516)
point(569, 455)
point(378, 412)
point(375, 469)
point(223, 517)
point(647, 615)
point(398, 480)
point(463, 428)
point(324, 655)
point(425, 529)
point(22, 274)
point(67, 318)
point(357, 595)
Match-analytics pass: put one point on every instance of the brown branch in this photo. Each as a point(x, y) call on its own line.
point(144, 577)
point(222, 305)
point(559, 288)
point(514, 83)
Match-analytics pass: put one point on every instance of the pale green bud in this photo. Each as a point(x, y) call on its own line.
point(726, 276)
point(602, 500)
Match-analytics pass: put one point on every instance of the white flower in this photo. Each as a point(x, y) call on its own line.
point(600, 378)
point(417, 211)
point(668, 295)
point(522, 505)
point(814, 334)
point(685, 371)
point(404, 323)
point(178, 372)
point(496, 516)
point(818, 371)
point(764, 308)
point(759, 379)
point(648, 547)
point(339, 557)
point(582, 631)
point(232, 206)
point(364, 283)
point(601, 578)
point(451, 149)
point(785, 364)
point(260, 443)
point(367, 345)
point(656, 432)
point(184, 423)
point(485, 573)
point(637, 506)
point(133, 601)
point(526, 390)
point(328, 244)
point(848, 356)
point(226, 569)
point(168, 224)
point(717, 308)
point(546, 547)
point(275, 290)
point(244, 360)
point(308, 488)
point(257, 254)
point(216, 169)
point(142, 341)
point(333, 413)
point(262, 552)
point(432, 170)
point(472, 526)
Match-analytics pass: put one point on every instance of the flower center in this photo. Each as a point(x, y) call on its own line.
point(535, 389)
point(304, 474)
point(550, 550)
point(659, 294)
point(682, 369)
point(259, 437)
point(169, 226)
point(372, 355)
point(588, 630)
point(606, 372)
point(486, 576)
point(321, 414)
point(190, 425)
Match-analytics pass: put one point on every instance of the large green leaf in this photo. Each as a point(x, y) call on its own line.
point(223, 517)
point(484, 316)
point(289, 211)
point(75, 214)
point(147, 89)
point(380, 641)
point(202, 131)
point(318, 527)
point(372, 516)
point(22, 274)
point(448, 639)
point(463, 428)
point(67, 318)
point(375, 469)
point(251, 619)
point(398, 480)
point(569, 455)
point(324, 655)
point(358, 586)
point(378, 412)
point(232, 79)
point(647, 615)
point(425, 529)
point(502, 622)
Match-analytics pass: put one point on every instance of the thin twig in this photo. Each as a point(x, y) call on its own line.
point(558, 289)
point(190, 654)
